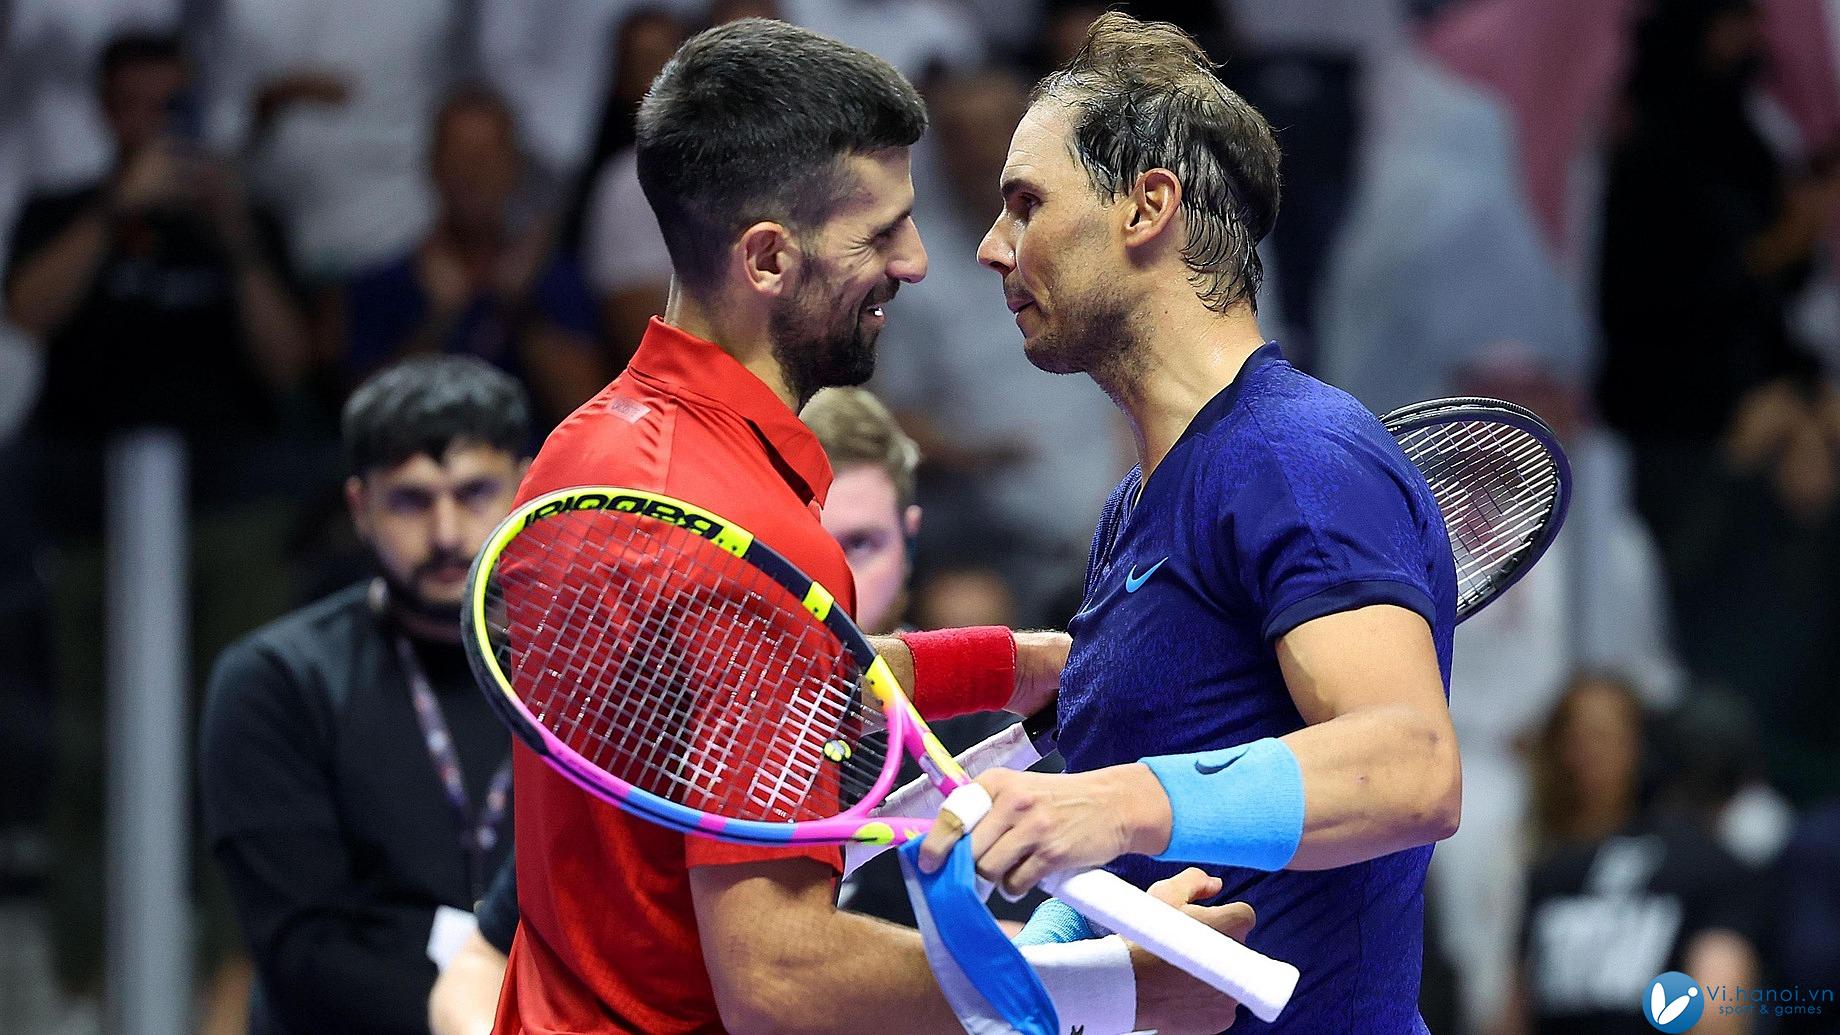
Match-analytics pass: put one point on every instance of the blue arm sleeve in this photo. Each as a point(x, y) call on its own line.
point(1242, 806)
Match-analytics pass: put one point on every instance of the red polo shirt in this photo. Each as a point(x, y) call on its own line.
point(608, 939)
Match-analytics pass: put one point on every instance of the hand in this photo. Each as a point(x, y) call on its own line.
point(153, 177)
point(226, 205)
point(1042, 823)
point(301, 86)
point(1040, 657)
point(1170, 1000)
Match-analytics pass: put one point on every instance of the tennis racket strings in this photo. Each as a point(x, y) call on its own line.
point(1497, 485)
point(676, 666)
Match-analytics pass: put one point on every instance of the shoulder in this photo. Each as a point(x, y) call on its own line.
point(45, 215)
point(624, 435)
point(287, 663)
point(1302, 434)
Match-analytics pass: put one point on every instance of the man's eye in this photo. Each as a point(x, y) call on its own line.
point(407, 502)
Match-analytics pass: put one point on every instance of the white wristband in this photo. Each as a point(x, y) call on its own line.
point(1091, 983)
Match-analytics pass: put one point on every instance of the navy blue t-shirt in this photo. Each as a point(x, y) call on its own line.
point(1284, 501)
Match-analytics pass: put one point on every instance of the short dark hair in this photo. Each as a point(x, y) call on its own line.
point(135, 48)
point(426, 405)
point(855, 429)
point(748, 122)
point(1143, 95)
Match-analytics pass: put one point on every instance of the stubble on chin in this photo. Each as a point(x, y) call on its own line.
point(1093, 337)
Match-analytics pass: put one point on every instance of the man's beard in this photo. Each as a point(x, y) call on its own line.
point(406, 598)
point(819, 343)
point(1091, 336)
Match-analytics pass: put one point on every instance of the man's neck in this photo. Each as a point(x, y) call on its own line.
point(423, 628)
point(744, 336)
point(1179, 362)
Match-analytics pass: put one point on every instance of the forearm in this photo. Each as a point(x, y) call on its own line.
point(783, 959)
point(1375, 781)
point(957, 671)
point(49, 285)
point(323, 963)
point(1358, 786)
point(273, 326)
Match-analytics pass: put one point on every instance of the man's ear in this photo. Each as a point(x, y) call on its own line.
point(910, 520)
point(769, 258)
point(354, 504)
point(1151, 207)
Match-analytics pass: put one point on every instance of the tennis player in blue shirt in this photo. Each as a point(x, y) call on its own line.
point(1259, 674)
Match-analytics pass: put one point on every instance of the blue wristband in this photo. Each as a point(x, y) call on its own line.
point(1241, 806)
point(1054, 922)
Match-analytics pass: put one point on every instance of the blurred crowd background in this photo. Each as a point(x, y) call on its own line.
point(219, 215)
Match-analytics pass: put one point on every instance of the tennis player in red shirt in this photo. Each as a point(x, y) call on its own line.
point(776, 161)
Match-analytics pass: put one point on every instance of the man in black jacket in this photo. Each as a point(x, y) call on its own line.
point(355, 783)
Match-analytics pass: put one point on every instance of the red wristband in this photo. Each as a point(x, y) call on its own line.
point(958, 671)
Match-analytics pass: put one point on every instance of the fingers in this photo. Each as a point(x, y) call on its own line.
point(947, 829)
point(1191, 885)
point(1235, 919)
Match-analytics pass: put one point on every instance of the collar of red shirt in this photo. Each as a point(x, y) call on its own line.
point(686, 365)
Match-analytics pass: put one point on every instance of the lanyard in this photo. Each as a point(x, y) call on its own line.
point(477, 838)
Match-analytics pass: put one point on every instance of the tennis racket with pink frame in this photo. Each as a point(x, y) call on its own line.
point(665, 660)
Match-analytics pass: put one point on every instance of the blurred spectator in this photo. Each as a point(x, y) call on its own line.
point(354, 784)
point(1347, 27)
point(870, 510)
point(482, 283)
point(1807, 883)
point(1619, 897)
point(331, 99)
point(641, 44)
point(151, 288)
point(619, 242)
point(1299, 62)
point(555, 62)
point(51, 50)
point(1018, 462)
point(1441, 253)
point(19, 360)
point(1596, 600)
point(1699, 208)
point(1753, 557)
point(964, 597)
point(1711, 753)
point(917, 37)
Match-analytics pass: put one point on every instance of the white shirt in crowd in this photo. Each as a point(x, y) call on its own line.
point(621, 246)
point(911, 35)
point(553, 60)
point(349, 181)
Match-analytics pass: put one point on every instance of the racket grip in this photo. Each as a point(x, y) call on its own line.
point(1262, 984)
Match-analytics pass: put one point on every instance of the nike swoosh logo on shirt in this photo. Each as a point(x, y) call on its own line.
point(1134, 582)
